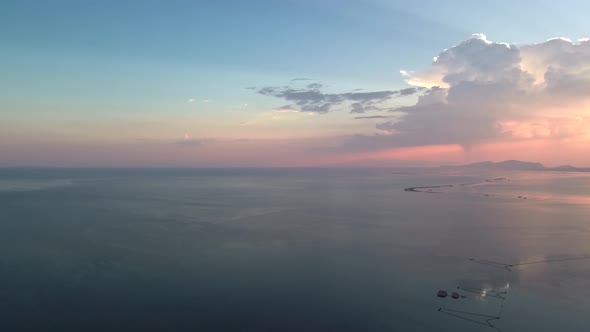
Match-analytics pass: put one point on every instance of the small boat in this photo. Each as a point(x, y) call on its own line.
point(455, 295)
point(442, 293)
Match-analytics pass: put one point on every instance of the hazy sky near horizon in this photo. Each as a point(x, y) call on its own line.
point(293, 83)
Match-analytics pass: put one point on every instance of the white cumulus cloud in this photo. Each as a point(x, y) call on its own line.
point(485, 91)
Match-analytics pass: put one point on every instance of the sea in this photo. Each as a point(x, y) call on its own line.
point(293, 250)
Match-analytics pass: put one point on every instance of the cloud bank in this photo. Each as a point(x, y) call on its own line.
point(477, 93)
point(497, 91)
point(481, 91)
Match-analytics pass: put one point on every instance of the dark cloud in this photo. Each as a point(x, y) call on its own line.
point(366, 96)
point(373, 117)
point(409, 91)
point(286, 108)
point(312, 99)
point(362, 107)
point(308, 100)
point(317, 108)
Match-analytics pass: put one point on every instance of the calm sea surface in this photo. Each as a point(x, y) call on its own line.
point(291, 250)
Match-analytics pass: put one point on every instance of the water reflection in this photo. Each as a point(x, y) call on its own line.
point(289, 250)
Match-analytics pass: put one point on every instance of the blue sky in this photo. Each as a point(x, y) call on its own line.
point(118, 59)
point(364, 41)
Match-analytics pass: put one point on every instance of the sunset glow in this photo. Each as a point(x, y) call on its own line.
point(469, 98)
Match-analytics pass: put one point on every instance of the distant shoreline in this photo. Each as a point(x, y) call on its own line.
point(429, 188)
point(417, 189)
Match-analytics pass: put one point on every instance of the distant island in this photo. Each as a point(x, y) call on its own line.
point(515, 165)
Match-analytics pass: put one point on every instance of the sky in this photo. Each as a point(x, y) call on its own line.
point(293, 83)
